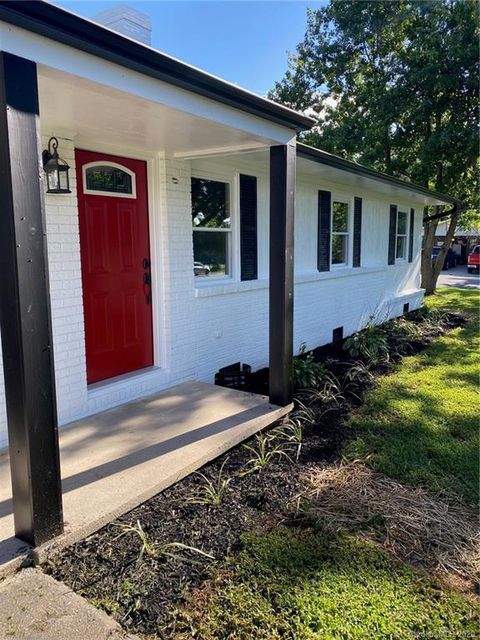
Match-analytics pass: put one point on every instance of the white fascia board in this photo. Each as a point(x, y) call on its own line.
point(45, 51)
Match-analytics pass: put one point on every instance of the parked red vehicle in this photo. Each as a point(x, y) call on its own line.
point(474, 260)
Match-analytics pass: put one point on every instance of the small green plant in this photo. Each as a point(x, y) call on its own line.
point(306, 414)
point(291, 433)
point(160, 550)
point(262, 454)
point(432, 320)
point(212, 491)
point(306, 372)
point(108, 605)
point(360, 372)
point(402, 333)
point(331, 393)
point(369, 344)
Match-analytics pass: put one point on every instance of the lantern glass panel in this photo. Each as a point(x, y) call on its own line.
point(52, 179)
point(63, 178)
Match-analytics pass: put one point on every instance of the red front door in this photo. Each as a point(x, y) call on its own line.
point(115, 254)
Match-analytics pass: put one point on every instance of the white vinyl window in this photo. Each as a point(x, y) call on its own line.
point(340, 241)
point(211, 226)
point(401, 239)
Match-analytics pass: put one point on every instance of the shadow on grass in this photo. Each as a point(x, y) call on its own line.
point(301, 584)
point(421, 423)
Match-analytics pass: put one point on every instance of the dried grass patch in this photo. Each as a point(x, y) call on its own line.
point(434, 531)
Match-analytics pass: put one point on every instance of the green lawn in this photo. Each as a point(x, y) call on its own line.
point(420, 425)
point(309, 585)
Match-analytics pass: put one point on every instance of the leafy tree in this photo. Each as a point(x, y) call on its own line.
point(393, 84)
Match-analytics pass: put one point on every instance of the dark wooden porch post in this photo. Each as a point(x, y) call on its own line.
point(282, 207)
point(25, 311)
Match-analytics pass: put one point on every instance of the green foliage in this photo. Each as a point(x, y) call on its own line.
point(369, 343)
point(160, 550)
point(263, 453)
point(306, 372)
point(421, 424)
point(330, 393)
point(212, 491)
point(394, 85)
point(311, 585)
point(290, 432)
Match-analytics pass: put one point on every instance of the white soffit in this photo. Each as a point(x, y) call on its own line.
point(96, 112)
point(311, 169)
point(88, 67)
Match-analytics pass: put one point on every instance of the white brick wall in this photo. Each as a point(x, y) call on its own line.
point(198, 330)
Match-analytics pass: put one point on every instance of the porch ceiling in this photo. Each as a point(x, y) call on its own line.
point(96, 113)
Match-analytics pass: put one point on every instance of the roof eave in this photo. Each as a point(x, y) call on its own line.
point(67, 28)
point(323, 157)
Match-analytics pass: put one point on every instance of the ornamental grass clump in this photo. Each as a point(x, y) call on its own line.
point(162, 551)
point(265, 450)
point(290, 432)
point(212, 491)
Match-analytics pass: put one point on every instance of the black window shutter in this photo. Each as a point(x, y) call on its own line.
point(248, 227)
point(392, 234)
point(324, 222)
point(410, 235)
point(357, 231)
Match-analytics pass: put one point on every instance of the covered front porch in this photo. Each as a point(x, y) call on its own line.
point(67, 483)
point(113, 461)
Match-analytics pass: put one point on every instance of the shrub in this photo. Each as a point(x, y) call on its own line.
point(369, 344)
point(306, 372)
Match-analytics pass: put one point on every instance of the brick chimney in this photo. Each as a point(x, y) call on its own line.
point(126, 20)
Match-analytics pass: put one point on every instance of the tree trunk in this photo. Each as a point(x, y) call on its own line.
point(429, 231)
point(431, 272)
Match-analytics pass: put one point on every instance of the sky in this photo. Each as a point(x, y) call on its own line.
point(243, 42)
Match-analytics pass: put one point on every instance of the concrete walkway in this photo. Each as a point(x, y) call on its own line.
point(34, 606)
point(459, 277)
point(113, 461)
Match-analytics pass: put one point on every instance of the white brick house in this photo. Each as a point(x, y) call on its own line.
point(357, 246)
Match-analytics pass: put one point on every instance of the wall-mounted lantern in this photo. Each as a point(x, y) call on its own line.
point(56, 169)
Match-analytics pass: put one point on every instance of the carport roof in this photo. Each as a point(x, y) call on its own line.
point(70, 29)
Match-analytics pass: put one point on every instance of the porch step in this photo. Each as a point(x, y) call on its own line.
point(115, 460)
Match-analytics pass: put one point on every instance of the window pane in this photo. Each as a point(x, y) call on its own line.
point(210, 204)
point(401, 245)
point(339, 249)
point(340, 216)
point(210, 253)
point(105, 178)
point(402, 223)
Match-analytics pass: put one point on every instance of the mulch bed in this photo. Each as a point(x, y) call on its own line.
point(141, 595)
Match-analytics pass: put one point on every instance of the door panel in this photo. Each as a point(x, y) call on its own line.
point(114, 243)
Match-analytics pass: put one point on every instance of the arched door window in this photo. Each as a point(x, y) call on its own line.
point(108, 179)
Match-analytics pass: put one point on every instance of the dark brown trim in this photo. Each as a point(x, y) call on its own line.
point(282, 208)
point(57, 24)
point(25, 312)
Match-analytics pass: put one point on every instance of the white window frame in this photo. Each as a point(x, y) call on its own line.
point(348, 233)
point(232, 238)
point(110, 194)
point(402, 235)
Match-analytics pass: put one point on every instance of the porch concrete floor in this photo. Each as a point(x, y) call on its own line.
point(115, 460)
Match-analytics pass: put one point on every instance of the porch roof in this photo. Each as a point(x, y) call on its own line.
point(70, 29)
